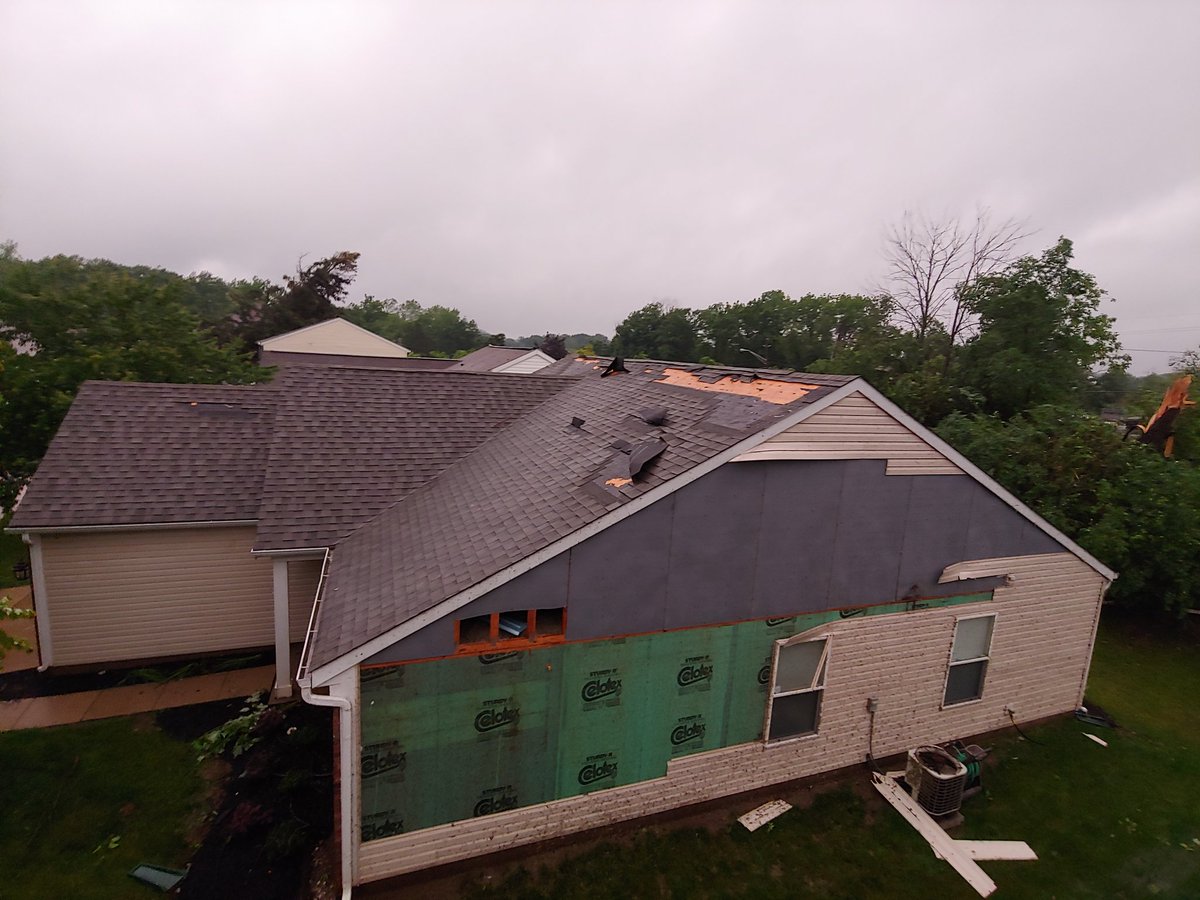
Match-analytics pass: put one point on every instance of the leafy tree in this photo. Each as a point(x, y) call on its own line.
point(1040, 333)
point(381, 317)
point(553, 345)
point(658, 332)
point(64, 320)
point(1121, 501)
point(261, 309)
point(437, 329)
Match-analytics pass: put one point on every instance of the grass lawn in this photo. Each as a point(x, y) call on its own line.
point(83, 804)
point(1121, 822)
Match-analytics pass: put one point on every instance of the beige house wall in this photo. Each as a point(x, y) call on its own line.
point(126, 595)
point(1041, 647)
point(855, 428)
point(531, 362)
point(334, 336)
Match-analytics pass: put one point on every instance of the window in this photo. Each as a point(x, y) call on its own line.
point(522, 626)
point(795, 707)
point(968, 659)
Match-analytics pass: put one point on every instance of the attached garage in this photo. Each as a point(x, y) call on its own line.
point(142, 594)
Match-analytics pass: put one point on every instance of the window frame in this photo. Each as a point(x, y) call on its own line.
point(498, 638)
point(952, 663)
point(816, 686)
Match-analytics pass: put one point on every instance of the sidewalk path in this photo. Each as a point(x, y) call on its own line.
point(65, 709)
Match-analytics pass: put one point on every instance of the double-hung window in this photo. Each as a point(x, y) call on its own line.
point(797, 687)
point(968, 659)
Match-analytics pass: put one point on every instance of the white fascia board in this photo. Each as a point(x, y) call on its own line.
point(983, 478)
point(297, 553)
point(141, 526)
point(323, 674)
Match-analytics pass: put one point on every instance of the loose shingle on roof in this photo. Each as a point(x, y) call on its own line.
point(348, 443)
point(538, 480)
point(130, 453)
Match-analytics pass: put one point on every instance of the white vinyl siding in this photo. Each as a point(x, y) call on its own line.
point(855, 428)
point(336, 336)
point(128, 595)
point(531, 362)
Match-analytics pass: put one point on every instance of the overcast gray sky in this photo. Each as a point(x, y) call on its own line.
point(556, 165)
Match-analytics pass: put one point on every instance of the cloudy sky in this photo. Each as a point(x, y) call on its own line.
point(553, 166)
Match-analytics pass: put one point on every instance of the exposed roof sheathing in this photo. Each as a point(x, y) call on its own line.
point(129, 454)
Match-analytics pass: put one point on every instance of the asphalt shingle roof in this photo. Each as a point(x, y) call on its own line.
point(348, 443)
point(536, 481)
point(130, 453)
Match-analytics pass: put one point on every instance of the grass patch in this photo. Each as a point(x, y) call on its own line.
point(1116, 822)
point(84, 804)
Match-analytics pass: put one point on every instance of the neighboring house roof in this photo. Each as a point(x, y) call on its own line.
point(283, 358)
point(130, 454)
point(539, 480)
point(501, 359)
point(337, 336)
point(348, 443)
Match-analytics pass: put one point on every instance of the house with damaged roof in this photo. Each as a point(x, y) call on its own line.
point(546, 603)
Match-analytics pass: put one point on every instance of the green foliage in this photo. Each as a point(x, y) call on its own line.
point(237, 735)
point(1040, 333)
point(65, 320)
point(437, 331)
point(1121, 501)
point(658, 332)
point(8, 643)
point(260, 309)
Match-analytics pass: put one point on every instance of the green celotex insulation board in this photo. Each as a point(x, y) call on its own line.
point(457, 738)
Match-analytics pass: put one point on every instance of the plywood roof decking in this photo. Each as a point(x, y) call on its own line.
point(130, 453)
point(855, 428)
point(474, 519)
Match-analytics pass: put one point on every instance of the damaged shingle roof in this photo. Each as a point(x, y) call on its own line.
point(487, 358)
point(130, 454)
point(348, 443)
point(538, 480)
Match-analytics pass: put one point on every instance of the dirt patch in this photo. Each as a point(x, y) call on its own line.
point(32, 683)
point(272, 805)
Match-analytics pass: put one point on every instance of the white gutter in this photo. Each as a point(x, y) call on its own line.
point(338, 699)
point(140, 526)
point(310, 552)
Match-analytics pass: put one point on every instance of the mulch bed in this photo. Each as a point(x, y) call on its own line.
point(276, 807)
point(32, 683)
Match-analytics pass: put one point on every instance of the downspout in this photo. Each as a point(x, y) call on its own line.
point(345, 707)
point(345, 754)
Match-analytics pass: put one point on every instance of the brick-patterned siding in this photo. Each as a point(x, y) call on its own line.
point(1041, 647)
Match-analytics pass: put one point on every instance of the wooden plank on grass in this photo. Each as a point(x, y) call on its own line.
point(757, 818)
point(942, 843)
point(996, 849)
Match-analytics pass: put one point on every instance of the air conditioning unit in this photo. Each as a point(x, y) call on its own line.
point(936, 780)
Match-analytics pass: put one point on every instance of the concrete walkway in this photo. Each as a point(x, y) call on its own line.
point(65, 709)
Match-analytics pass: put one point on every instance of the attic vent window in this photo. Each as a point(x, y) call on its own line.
point(514, 627)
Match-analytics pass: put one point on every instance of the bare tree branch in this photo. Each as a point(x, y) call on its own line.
point(931, 264)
